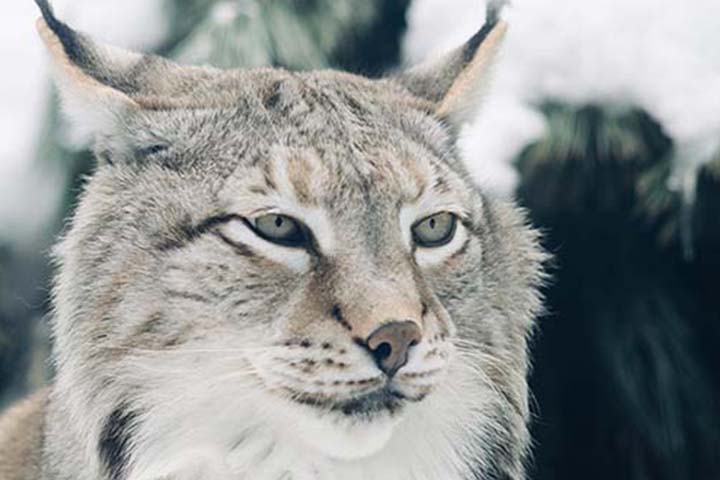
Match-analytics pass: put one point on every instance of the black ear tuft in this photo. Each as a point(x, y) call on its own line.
point(455, 83)
point(67, 36)
point(494, 8)
point(492, 17)
point(47, 11)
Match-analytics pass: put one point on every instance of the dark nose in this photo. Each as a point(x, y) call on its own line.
point(391, 343)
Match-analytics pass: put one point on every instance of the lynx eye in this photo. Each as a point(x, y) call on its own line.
point(435, 231)
point(280, 229)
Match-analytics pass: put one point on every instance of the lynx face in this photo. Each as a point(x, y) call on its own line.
point(286, 275)
point(317, 251)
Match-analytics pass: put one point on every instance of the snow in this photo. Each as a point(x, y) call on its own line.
point(22, 105)
point(659, 54)
point(224, 13)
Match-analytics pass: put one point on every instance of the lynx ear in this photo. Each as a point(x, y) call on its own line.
point(87, 75)
point(100, 85)
point(456, 82)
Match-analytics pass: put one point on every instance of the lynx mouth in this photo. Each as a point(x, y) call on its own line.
point(386, 400)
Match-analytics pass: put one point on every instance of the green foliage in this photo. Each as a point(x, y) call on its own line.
point(252, 33)
point(14, 331)
point(625, 377)
point(706, 215)
point(597, 158)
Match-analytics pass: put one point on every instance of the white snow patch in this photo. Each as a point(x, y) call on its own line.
point(225, 12)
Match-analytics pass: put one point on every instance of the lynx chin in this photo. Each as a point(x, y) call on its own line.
point(280, 275)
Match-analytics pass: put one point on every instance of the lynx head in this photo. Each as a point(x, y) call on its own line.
point(286, 274)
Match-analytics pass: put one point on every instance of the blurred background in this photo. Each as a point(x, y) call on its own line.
point(603, 120)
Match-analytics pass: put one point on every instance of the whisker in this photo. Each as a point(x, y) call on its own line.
point(184, 351)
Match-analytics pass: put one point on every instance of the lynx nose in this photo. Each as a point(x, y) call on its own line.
point(391, 343)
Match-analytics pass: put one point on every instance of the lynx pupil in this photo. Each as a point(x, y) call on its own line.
point(435, 231)
point(280, 229)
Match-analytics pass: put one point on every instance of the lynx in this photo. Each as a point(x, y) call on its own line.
point(281, 275)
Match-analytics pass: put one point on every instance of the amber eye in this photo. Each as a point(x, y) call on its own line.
point(280, 229)
point(435, 231)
